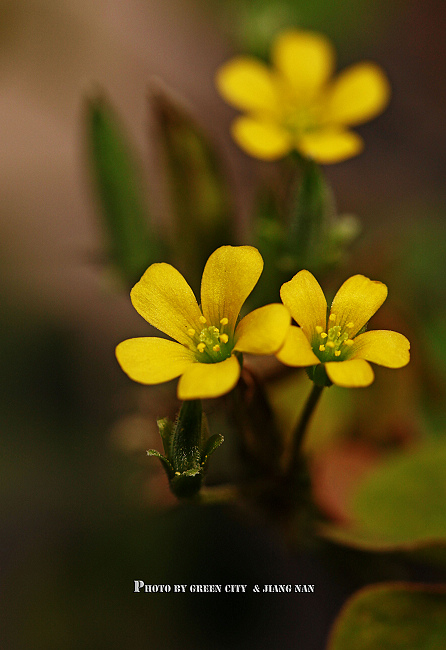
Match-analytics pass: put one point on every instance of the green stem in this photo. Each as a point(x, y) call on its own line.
point(301, 428)
point(308, 213)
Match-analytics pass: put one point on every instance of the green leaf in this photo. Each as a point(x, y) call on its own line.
point(395, 616)
point(401, 505)
point(118, 178)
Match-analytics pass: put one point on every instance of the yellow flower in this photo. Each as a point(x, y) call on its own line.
point(336, 341)
point(206, 338)
point(295, 104)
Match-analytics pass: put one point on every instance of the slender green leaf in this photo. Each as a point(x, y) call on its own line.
point(131, 243)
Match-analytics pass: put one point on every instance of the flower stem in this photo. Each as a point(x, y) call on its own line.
point(301, 428)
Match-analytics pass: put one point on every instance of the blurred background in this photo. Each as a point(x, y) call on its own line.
point(85, 512)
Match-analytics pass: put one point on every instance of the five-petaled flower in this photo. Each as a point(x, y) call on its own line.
point(207, 338)
point(295, 105)
point(336, 341)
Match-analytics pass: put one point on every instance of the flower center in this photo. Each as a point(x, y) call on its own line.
point(334, 344)
point(300, 121)
point(211, 344)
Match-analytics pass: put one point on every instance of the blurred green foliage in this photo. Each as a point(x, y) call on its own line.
point(198, 192)
point(392, 617)
point(402, 501)
point(253, 23)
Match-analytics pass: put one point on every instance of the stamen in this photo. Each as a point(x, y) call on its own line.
point(201, 347)
point(202, 319)
point(324, 335)
point(191, 332)
point(350, 324)
point(322, 348)
point(348, 342)
point(332, 317)
point(330, 344)
point(337, 353)
point(216, 348)
point(224, 321)
point(224, 338)
point(319, 329)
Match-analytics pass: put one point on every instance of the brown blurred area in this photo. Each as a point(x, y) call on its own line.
point(53, 54)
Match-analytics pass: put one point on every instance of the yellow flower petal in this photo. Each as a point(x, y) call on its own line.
point(296, 351)
point(263, 330)
point(260, 138)
point(306, 301)
point(152, 360)
point(306, 60)
point(167, 302)
point(383, 347)
point(350, 374)
point(356, 302)
point(206, 380)
point(358, 94)
point(330, 144)
point(229, 276)
point(249, 85)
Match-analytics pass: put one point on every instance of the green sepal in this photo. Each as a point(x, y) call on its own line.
point(239, 356)
point(318, 375)
point(118, 177)
point(166, 427)
point(187, 446)
point(186, 484)
point(164, 461)
point(186, 437)
point(210, 446)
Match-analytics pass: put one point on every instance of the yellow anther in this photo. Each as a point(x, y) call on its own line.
point(337, 353)
point(319, 329)
point(330, 344)
point(324, 335)
point(177, 473)
point(348, 342)
point(322, 348)
point(216, 348)
point(224, 338)
point(224, 321)
point(191, 332)
point(201, 347)
point(202, 319)
point(332, 317)
point(350, 324)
